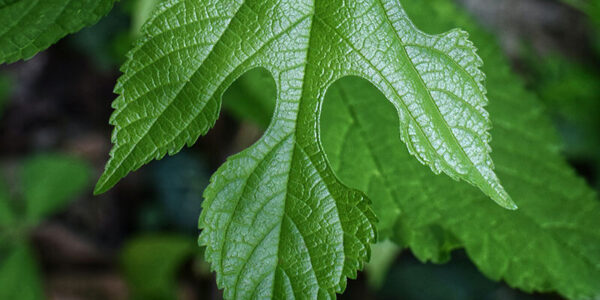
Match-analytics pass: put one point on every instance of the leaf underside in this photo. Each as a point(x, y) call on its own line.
point(276, 221)
point(551, 243)
point(28, 27)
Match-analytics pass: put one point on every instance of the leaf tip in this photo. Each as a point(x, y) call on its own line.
point(501, 197)
point(102, 185)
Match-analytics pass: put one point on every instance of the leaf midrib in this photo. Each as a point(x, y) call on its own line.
point(295, 147)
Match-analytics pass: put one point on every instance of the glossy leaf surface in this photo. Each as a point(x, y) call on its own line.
point(276, 221)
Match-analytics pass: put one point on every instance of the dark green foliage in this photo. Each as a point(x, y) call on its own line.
point(46, 184)
point(150, 264)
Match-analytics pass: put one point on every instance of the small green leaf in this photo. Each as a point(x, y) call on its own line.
point(141, 11)
point(150, 264)
point(252, 97)
point(49, 181)
point(19, 274)
point(383, 256)
point(30, 26)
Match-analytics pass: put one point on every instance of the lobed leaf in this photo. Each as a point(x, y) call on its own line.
point(276, 221)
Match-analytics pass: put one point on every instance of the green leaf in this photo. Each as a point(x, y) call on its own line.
point(551, 243)
point(571, 94)
point(252, 97)
point(50, 181)
point(276, 221)
point(383, 256)
point(7, 218)
point(141, 12)
point(150, 264)
point(170, 91)
point(19, 274)
point(589, 7)
point(28, 27)
point(5, 91)
point(47, 181)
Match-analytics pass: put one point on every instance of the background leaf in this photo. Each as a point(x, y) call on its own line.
point(151, 262)
point(19, 274)
point(49, 181)
point(7, 218)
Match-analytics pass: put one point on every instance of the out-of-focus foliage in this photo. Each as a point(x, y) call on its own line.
point(252, 97)
point(107, 42)
point(49, 182)
point(592, 9)
point(150, 264)
point(571, 92)
point(19, 273)
point(179, 182)
point(140, 12)
point(45, 184)
point(383, 254)
point(5, 90)
point(459, 279)
point(589, 7)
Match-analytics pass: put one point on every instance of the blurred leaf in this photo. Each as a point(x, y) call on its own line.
point(179, 182)
point(106, 42)
point(19, 275)
point(141, 11)
point(589, 7)
point(252, 97)
point(5, 90)
point(150, 264)
point(27, 27)
point(383, 254)
point(7, 218)
point(410, 279)
point(49, 181)
point(592, 9)
point(571, 92)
